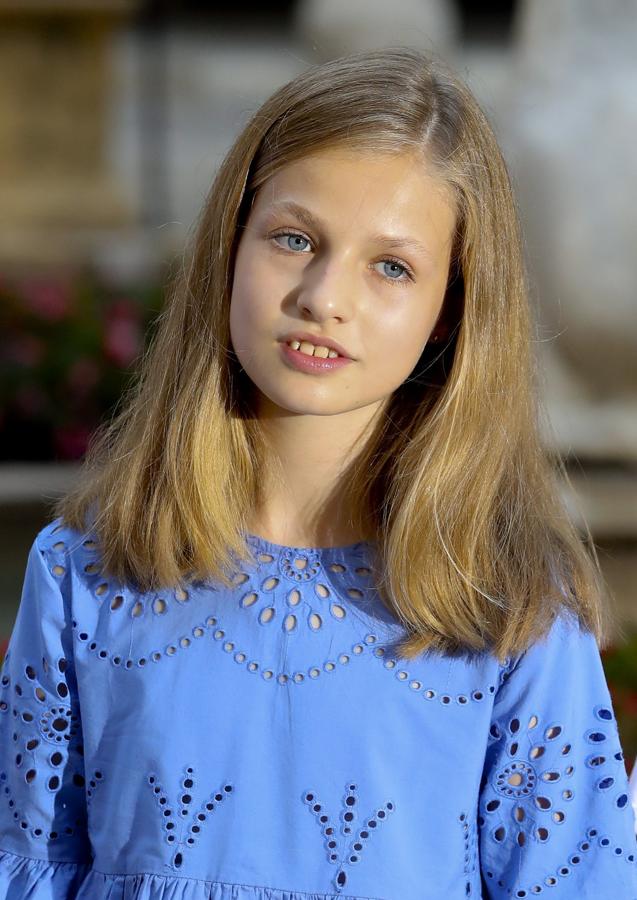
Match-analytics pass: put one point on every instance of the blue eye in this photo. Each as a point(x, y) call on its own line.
point(391, 262)
point(292, 234)
point(405, 274)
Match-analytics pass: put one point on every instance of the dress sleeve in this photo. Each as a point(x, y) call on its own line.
point(44, 848)
point(554, 808)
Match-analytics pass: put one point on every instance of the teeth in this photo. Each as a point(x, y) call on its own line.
point(311, 350)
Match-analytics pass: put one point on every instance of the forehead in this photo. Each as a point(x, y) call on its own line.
point(364, 188)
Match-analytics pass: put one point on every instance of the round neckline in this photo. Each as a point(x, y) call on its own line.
point(278, 548)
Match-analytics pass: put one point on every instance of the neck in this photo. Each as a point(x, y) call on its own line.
point(301, 500)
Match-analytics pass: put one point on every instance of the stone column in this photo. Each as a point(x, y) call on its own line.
point(571, 118)
point(56, 81)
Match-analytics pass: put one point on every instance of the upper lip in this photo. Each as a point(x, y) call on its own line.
point(316, 339)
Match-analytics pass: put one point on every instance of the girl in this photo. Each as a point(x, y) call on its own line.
point(314, 623)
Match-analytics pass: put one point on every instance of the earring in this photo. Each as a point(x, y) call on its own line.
point(434, 337)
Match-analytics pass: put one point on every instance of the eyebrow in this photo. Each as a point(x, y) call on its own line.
point(312, 221)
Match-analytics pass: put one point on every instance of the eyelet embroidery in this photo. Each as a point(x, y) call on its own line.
point(302, 565)
point(185, 798)
point(296, 565)
point(539, 793)
point(348, 854)
point(287, 607)
point(160, 606)
point(518, 780)
point(470, 836)
point(428, 693)
point(57, 723)
point(43, 747)
point(96, 778)
point(595, 736)
point(563, 871)
point(37, 831)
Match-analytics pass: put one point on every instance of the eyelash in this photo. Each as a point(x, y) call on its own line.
point(408, 271)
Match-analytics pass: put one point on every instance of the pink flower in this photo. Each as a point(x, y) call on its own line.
point(26, 350)
point(51, 300)
point(82, 376)
point(71, 441)
point(30, 400)
point(122, 333)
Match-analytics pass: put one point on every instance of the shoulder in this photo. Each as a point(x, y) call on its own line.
point(62, 549)
point(566, 657)
point(57, 537)
point(565, 633)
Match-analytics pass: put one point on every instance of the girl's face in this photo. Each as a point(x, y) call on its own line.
point(320, 253)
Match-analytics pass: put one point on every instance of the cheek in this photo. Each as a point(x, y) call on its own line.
point(246, 296)
point(401, 335)
point(396, 342)
point(254, 290)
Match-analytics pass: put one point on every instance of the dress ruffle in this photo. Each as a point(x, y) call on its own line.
point(149, 886)
point(26, 878)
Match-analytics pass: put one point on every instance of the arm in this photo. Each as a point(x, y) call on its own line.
point(554, 810)
point(44, 845)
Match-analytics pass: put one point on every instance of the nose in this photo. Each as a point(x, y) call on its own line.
point(328, 289)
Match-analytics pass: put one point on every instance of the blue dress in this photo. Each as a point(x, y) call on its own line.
point(264, 743)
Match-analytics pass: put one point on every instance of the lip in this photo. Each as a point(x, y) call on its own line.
point(313, 365)
point(317, 340)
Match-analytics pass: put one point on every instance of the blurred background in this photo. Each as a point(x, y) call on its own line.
point(114, 115)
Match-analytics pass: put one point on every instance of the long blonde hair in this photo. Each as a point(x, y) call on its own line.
point(475, 549)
